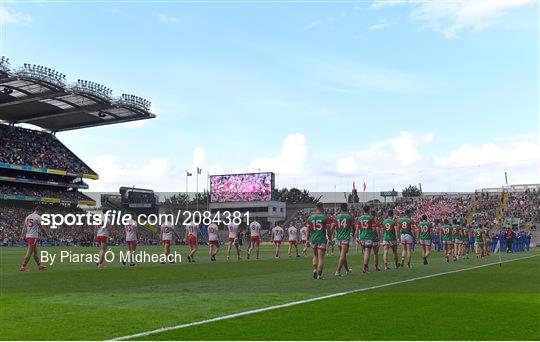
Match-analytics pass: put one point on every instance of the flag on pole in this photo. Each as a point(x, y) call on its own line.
point(199, 171)
point(365, 186)
point(188, 174)
point(354, 185)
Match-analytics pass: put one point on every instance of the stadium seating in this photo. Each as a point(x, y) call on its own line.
point(27, 147)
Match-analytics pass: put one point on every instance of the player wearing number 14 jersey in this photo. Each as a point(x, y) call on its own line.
point(318, 224)
point(343, 226)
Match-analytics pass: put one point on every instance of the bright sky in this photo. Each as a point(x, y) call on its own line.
point(443, 93)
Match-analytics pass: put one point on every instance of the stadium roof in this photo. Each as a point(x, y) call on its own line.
point(41, 96)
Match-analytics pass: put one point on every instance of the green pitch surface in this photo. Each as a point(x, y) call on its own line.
point(78, 301)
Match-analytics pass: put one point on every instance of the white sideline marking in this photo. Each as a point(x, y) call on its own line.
point(285, 305)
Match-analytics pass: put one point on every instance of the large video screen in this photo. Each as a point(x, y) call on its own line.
point(249, 187)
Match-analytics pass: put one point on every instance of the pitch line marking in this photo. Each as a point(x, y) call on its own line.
point(304, 301)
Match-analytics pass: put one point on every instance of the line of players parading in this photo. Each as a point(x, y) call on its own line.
point(321, 233)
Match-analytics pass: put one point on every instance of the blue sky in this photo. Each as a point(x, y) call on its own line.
point(322, 93)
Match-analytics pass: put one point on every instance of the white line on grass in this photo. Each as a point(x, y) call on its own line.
point(303, 301)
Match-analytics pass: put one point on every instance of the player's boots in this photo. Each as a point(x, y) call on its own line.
point(314, 274)
point(24, 269)
point(42, 267)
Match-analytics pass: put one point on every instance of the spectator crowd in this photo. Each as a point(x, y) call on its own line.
point(22, 146)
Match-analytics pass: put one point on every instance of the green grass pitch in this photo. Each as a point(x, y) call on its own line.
point(78, 301)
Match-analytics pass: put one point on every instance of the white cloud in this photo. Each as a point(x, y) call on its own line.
point(12, 17)
point(158, 174)
point(452, 18)
point(198, 157)
point(166, 19)
point(291, 159)
point(520, 151)
point(380, 26)
point(389, 156)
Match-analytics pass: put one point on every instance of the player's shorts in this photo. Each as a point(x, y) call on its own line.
point(277, 242)
point(192, 240)
point(101, 239)
point(447, 242)
point(132, 244)
point(476, 243)
point(367, 243)
point(343, 242)
point(319, 246)
point(457, 241)
point(255, 239)
point(292, 242)
point(390, 243)
point(32, 241)
point(213, 243)
point(406, 238)
point(166, 242)
point(425, 242)
point(232, 240)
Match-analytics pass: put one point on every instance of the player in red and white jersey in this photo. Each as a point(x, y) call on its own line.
point(191, 239)
point(166, 235)
point(277, 235)
point(292, 232)
point(31, 228)
point(233, 240)
point(102, 238)
point(213, 241)
point(255, 238)
point(304, 231)
point(131, 241)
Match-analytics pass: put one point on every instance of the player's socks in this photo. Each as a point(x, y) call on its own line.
point(409, 265)
point(377, 268)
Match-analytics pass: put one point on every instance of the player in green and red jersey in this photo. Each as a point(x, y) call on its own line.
point(343, 232)
point(406, 231)
point(390, 238)
point(318, 225)
point(447, 239)
point(479, 242)
point(456, 234)
point(376, 241)
point(425, 231)
point(466, 237)
point(365, 229)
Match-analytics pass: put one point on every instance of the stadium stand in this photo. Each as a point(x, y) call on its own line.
point(38, 149)
point(35, 166)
